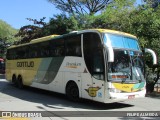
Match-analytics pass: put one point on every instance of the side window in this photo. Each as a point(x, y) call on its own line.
point(56, 48)
point(20, 52)
point(93, 55)
point(73, 46)
point(9, 55)
point(34, 51)
point(44, 51)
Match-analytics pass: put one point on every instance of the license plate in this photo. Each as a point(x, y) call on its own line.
point(131, 96)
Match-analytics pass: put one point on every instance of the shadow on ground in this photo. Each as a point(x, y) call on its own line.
point(54, 100)
point(155, 95)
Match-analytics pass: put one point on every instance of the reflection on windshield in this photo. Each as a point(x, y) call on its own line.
point(118, 41)
point(121, 61)
point(127, 65)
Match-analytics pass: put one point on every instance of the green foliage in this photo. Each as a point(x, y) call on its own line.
point(62, 24)
point(114, 16)
point(6, 31)
point(145, 24)
point(29, 32)
point(152, 3)
point(6, 36)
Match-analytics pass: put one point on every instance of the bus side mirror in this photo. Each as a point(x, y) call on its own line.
point(110, 51)
point(110, 54)
point(153, 55)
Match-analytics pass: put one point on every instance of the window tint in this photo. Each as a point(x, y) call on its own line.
point(118, 41)
point(73, 46)
point(57, 48)
point(69, 46)
point(34, 51)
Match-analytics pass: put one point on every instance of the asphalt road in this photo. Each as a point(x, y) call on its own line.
point(57, 106)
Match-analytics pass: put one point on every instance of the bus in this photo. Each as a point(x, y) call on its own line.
point(96, 64)
point(2, 66)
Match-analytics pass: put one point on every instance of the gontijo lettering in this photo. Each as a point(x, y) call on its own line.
point(25, 64)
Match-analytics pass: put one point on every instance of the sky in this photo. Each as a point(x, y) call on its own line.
point(15, 12)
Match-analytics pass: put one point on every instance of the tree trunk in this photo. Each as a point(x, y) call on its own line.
point(150, 87)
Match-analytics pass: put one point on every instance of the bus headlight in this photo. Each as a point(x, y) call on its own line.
point(114, 90)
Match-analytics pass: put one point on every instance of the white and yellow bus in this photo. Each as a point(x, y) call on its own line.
point(98, 64)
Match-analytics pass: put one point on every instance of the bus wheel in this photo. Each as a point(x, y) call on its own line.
point(72, 91)
point(19, 82)
point(14, 80)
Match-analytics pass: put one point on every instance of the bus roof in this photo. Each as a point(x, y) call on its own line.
point(75, 32)
point(36, 40)
point(43, 38)
point(110, 31)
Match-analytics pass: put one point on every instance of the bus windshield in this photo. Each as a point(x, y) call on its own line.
point(118, 41)
point(127, 66)
point(128, 59)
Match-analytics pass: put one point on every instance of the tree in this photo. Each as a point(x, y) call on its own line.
point(80, 7)
point(116, 16)
point(6, 31)
point(6, 36)
point(152, 3)
point(29, 32)
point(61, 24)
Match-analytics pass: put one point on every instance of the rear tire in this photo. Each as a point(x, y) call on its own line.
point(20, 83)
point(72, 91)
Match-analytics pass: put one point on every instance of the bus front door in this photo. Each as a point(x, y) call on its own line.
point(93, 88)
point(93, 77)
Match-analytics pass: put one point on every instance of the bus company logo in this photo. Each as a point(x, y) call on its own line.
point(72, 65)
point(92, 91)
point(25, 64)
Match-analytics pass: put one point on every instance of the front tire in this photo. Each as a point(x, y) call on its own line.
point(72, 91)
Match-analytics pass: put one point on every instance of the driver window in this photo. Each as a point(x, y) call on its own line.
point(121, 61)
